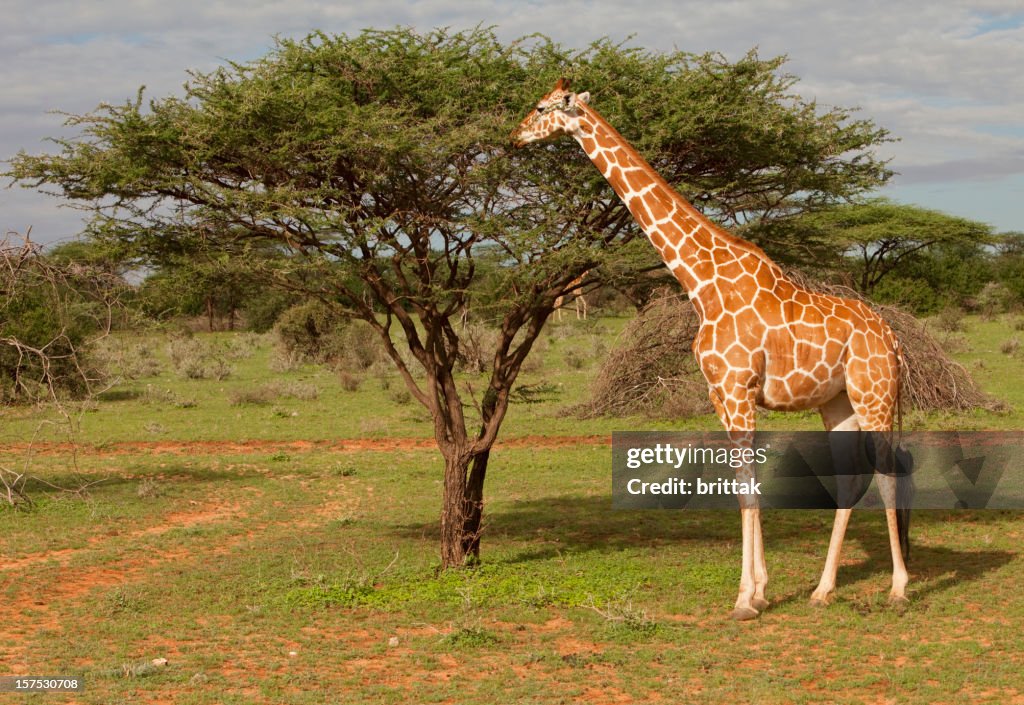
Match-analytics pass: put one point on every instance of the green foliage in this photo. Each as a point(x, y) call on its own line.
point(220, 287)
point(471, 637)
point(1009, 264)
point(877, 239)
point(380, 147)
point(312, 331)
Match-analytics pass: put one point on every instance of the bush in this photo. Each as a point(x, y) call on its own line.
point(950, 319)
point(316, 332)
point(262, 312)
point(360, 347)
point(121, 359)
point(993, 299)
point(349, 382)
point(477, 344)
point(310, 331)
point(194, 358)
point(46, 327)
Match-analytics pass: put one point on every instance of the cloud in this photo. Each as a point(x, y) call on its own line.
point(943, 77)
point(990, 168)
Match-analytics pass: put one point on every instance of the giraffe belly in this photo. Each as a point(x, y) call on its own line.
point(795, 387)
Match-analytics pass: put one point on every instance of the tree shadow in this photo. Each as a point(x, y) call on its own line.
point(932, 569)
point(172, 473)
point(550, 526)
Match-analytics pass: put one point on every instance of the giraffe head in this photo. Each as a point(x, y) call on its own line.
point(556, 114)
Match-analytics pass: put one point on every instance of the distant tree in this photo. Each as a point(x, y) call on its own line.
point(211, 288)
point(383, 160)
point(939, 276)
point(1009, 264)
point(878, 238)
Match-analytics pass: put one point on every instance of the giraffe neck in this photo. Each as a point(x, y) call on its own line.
point(691, 246)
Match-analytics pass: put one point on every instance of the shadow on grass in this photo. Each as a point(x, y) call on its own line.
point(119, 395)
point(171, 473)
point(557, 525)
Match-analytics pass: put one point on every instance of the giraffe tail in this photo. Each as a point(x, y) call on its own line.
point(904, 464)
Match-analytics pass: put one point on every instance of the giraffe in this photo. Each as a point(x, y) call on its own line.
point(763, 339)
point(578, 298)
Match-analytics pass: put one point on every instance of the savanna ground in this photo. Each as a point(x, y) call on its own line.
point(273, 535)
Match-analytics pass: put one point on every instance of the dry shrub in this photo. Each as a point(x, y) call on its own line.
point(303, 391)
point(652, 370)
point(477, 344)
point(952, 343)
point(574, 360)
point(273, 391)
point(652, 363)
point(993, 299)
point(1010, 347)
point(242, 346)
point(283, 360)
point(194, 358)
point(349, 382)
point(931, 380)
point(950, 319)
point(129, 361)
point(257, 396)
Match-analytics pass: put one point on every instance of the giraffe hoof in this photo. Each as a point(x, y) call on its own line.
point(899, 603)
point(819, 602)
point(760, 604)
point(744, 614)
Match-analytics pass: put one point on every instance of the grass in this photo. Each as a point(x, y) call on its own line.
point(242, 560)
point(309, 575)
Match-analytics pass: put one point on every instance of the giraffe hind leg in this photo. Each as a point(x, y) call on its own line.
point(838, 416)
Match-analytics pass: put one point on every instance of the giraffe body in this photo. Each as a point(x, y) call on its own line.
point(763, 339)
point(578, 299)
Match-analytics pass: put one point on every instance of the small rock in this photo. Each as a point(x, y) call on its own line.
point(159, 662)
point(393, 642)
point(293, 654)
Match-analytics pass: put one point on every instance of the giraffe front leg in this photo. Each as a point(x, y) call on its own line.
point(744, 608)
point(737, 415)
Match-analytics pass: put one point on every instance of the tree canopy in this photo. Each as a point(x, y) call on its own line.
point(878, 237)
point(383, 160)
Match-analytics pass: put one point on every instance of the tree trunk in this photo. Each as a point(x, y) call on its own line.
point(453, 520)
point(209, 312)
point(462, 510)
point(474, 506)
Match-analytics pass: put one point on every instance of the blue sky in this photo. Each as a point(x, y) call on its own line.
point(946, 78)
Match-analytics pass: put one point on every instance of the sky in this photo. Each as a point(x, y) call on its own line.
point(946, 78)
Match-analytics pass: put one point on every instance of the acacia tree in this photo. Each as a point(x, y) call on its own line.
point(383, 160)
point(877, 238)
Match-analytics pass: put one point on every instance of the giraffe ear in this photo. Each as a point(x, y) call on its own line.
point(583, 97)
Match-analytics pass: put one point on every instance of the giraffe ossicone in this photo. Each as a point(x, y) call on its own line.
point(763, 339)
